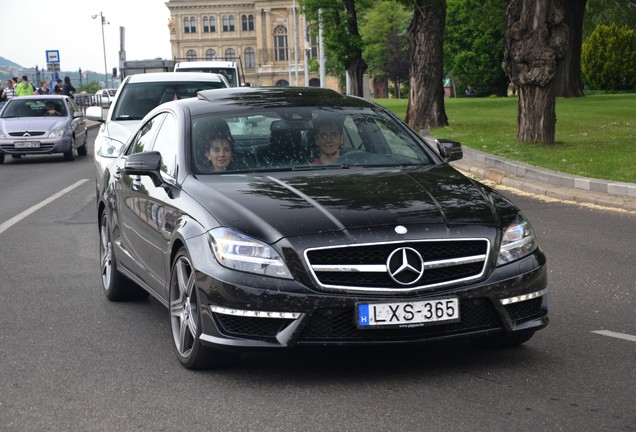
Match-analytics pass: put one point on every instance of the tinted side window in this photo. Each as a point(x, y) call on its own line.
point(143, 138)
point(166, 143)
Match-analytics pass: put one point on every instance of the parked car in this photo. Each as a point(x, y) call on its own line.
point(137, 95)
point(105, 96)
point(35, 125)
point(254, 240)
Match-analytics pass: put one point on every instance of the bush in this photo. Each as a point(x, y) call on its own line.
point(608, 58)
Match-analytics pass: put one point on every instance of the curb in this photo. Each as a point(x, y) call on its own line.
point(551, 184)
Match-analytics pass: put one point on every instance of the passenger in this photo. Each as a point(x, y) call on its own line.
point(51, 109)
point(329, 138)
point(221, 147)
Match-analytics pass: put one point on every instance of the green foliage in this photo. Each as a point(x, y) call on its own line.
point(473, 44)
point(386, 50)
point(91, 87)
point(606, 12)
point(608, 58)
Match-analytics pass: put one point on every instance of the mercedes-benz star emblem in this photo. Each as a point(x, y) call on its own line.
point(405, 266)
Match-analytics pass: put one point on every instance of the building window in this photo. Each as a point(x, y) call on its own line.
point(280, 43)
point(313, 44)
point(186, 25)
point(191, 55)
point(282, 83)
point(314, 82)
point(206, 25)
point(250, 58)
point(226, 26)
point(193, 25)
point(230, 54)
point(232, 23)
point(210, 54)
point(212, 24)
point(247, 23)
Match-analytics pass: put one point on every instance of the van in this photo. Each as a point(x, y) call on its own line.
point(229, 69)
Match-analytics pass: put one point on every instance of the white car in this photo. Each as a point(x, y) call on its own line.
point(105, 97)
point(136, 96)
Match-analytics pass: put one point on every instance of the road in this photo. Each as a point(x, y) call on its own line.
point(72, 361)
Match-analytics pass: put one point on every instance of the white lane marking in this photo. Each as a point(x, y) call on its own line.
point(616, 335)
point(17, 218)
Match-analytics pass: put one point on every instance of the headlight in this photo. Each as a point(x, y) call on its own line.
point(518, 241)
point(57, 133)
point(107, 147)
point(240, 252)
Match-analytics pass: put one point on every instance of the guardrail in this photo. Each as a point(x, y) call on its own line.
point(84, 100)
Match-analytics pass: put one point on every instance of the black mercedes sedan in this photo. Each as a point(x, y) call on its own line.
point(269, 218)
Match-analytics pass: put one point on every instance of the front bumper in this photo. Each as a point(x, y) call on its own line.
point(235, 315)
point(46, 146)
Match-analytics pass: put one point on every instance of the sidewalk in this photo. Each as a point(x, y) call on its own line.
point(551, 184)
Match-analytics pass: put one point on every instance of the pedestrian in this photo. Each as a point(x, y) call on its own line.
point(58, 87)
point(43, 89)
point(470, 91)
point(24, 88)
point(67, 88)
point(9, 91)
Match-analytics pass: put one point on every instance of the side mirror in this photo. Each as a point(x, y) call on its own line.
point(95, 113)
point(145, 164)
point(450, 150)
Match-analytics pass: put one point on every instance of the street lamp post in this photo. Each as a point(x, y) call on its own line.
point(104, 22)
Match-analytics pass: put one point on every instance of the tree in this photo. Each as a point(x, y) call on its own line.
point(609, 58)
point(568, 81)
point(536, 40)
point(425, 107)
point(607, 12)
point(473, 44)
point(342, 38)
point(383, 28)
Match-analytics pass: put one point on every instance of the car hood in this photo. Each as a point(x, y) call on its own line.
point(33, 123)
point(120, 130)
point(279, 205)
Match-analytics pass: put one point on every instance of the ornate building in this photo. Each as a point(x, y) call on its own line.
point(269, 38)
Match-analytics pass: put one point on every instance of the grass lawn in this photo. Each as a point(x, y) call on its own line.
point(595, 135)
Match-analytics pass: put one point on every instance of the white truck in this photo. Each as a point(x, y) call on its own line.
point(229, 69)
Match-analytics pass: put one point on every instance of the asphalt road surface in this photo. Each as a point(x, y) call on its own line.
point(72, 361)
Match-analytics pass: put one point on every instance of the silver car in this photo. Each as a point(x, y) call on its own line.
point(36, 125)
point(136, 96)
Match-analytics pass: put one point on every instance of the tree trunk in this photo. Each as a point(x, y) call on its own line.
point(356, 66)
point(425, 108)
point(568, 81)
point(536, 40)
point(536, 116)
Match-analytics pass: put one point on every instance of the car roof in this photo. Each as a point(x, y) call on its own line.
point(35, 96)
point(233, 98)
point(174, 76)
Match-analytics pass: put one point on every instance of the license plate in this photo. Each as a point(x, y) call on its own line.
point(26, 144)
point(411, 314)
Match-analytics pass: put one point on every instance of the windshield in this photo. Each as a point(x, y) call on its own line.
point(33, 107)
point(137, 99)
point(230, 74)
point(302, 138)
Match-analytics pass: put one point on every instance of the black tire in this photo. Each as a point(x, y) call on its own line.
point(185, 320)
point(116, 286)
point(70, 155)
point(1, 158)
point(83, 150)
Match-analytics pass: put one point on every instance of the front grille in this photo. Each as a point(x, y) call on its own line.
point(366, 267)
point(525, 310)
point(240, 326)
point(31, 134)
point(44, 148)
point(338, 325)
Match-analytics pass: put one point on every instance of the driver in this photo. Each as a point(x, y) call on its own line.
point(329, 138)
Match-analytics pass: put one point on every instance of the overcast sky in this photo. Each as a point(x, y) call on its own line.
point(28, 28)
